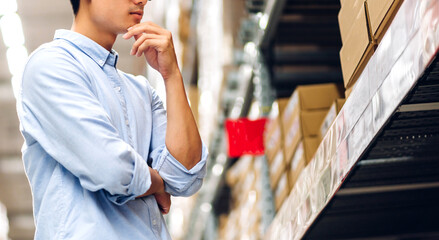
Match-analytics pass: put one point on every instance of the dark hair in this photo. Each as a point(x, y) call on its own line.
point(75, 6)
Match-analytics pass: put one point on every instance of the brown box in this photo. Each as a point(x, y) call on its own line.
point(347, 15)
point(273, 143)
point(381, 13)
point(296, 165)
point(330, 116)
point(304, 124)
point(357, 49)
point(302, 156)
point(310, 97)
point(310, 145)
point(274, 119)
point(273, 134)
point(277, 167)
point(282, 191)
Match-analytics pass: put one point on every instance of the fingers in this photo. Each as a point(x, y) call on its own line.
point(164, 202)
point(148, 35)
point(140, 40)
point(164, 210)
point(158, 44)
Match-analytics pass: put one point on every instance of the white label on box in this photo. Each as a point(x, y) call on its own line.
point(330, 117)
point(281, 185)
point(289, 109)
point(278, 159)
point(274, 139)
point(297, 156)
point(292, 132)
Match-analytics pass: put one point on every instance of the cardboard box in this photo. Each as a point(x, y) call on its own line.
point(304, 124)
point(330, 116)
point(357, 49)
point(277, 167)
point(302, 156)
point(275, 116)
point(296, 165)
point(282, 191)
point(381, 14)
point(310, 97)
point(273, 144)
point(273, 135)
point(310, 145)
point(347, 15)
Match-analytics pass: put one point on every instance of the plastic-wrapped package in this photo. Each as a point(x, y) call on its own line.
point(4, 223)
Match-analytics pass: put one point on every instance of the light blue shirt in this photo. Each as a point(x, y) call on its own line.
point(90, 133)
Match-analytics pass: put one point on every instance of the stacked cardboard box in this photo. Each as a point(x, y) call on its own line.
point(295, 122)
point(244, 219)
point(362, 26)
point(302, 119)
point(274, 148)
point(358, 43)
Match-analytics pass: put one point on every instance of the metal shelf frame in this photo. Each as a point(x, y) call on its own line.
point(406, 51)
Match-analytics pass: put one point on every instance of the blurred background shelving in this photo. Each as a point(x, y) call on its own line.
point(367, 169)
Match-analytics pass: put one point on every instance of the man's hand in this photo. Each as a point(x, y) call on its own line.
point(164, 201)
point(157, 46)
point(157, 188)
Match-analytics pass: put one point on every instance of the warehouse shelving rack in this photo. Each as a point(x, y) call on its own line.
point(376, 173)
point(300, 41)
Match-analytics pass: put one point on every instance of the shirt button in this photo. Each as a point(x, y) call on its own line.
point(101, 62)
point(127, 122)
point(154, 222)
point(117, 89)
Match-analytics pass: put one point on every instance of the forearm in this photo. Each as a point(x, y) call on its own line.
point(157, 184)
point(182, 137)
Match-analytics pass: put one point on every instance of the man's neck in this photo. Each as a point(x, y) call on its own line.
point(88, 29)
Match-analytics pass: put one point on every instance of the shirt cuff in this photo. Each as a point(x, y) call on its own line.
point(140, 183)
point(178, 179)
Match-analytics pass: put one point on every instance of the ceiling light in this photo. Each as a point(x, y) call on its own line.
point(7, 6)
point(17, 57)
point(12, 30)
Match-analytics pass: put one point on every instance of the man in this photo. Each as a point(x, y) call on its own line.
point(101, 153)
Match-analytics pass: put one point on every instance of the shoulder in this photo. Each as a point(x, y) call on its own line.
point(50, 54)
point(50, 65)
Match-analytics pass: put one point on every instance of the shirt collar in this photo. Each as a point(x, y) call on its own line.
point(92, 49)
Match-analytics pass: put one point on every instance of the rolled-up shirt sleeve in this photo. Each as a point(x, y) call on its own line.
point(62, 114)
point(179, 181)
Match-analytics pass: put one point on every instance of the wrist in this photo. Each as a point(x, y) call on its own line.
point(160, 183)
point(172, 76)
